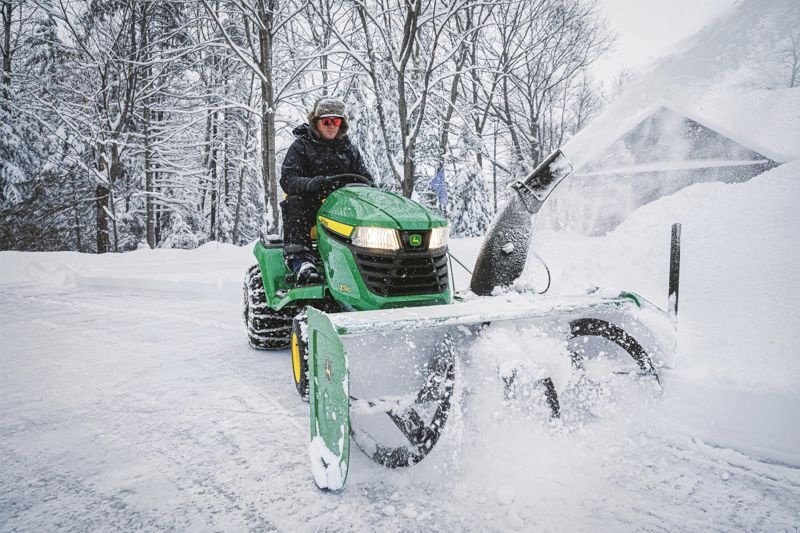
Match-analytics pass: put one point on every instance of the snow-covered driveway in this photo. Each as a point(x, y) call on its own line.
point(130, 401)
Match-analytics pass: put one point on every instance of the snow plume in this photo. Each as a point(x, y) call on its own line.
point(707, 108)
point(700, 76)
point(739, 280)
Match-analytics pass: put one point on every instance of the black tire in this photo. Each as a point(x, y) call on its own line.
point(267, 329)
point(300, 356)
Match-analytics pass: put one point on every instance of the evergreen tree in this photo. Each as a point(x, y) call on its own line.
point(469, 205)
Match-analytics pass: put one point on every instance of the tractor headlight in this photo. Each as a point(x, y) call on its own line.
point(380, 238)
point(438, 238)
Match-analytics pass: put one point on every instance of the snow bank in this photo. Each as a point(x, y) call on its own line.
point(214, 270)
point(740, 276)
point(737, 381)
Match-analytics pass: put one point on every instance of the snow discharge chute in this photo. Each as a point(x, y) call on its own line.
point(378, 348)
point(505, 246)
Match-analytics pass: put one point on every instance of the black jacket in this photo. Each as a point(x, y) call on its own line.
point(310, 155)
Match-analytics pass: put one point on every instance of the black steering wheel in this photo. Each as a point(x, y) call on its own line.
point(341, 180)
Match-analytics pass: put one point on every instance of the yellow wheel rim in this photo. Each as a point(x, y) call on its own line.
point(296, 357)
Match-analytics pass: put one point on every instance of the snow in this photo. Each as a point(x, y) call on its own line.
point(326, 467)
point(130, 398)
point(676, 165)
point(769, 118)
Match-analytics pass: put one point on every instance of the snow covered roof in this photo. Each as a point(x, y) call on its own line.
point(766, 120)
point(664, 137)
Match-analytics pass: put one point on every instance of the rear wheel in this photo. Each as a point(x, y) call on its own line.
point(300, 355)
point(267, 329)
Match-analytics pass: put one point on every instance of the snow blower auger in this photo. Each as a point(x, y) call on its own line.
point(376, 348)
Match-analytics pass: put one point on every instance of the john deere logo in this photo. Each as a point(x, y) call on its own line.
point(415, 239)
point(329, 370)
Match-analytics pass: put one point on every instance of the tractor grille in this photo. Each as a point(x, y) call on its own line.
point(404, 273)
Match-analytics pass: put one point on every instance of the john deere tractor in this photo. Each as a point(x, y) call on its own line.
point(379, 250)
point(374, 346)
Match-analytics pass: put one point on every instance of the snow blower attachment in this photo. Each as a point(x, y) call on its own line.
point(378, 347)
point(386, 378)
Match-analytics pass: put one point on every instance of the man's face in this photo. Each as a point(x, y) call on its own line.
point(329, 127)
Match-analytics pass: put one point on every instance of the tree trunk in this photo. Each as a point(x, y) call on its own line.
point(77, 217)
point(206, 160)
point(240, 191)
point(408, 143)
point(156, 178)
point(451, 105)
point(150, 221)
point(6, 12)
point(268, 116)
point(114, 173)
point(101, 195)
point(409, 38)
point(214, 178)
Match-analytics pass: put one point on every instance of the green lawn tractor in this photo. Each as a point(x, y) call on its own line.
point(377, 346)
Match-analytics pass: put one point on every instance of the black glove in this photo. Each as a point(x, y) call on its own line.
point(315, 184)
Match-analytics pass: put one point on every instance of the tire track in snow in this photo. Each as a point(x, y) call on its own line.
point(118, 310)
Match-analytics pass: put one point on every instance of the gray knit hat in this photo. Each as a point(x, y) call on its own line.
point(329, 107)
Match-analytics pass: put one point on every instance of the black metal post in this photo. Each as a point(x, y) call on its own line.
point(674, 268)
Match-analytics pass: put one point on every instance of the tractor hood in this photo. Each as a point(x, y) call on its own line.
point(369, 206)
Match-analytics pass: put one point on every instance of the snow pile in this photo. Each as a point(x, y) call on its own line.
point(739, 273)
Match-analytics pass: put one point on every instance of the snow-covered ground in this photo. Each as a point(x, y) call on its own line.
point(131, 400)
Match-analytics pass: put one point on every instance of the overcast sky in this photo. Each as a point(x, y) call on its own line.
point(649, 29)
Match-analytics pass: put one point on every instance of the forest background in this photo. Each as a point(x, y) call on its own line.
point(131, 123)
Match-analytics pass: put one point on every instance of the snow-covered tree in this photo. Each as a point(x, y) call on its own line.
point(164, 122)
point(469, 205)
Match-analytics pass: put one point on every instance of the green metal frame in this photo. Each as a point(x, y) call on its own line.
point(328, 380)
point(274, 272)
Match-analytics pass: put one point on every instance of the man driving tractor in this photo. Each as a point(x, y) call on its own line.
point(321, 149)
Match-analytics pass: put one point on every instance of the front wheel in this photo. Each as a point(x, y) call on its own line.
point(300, 355)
